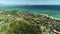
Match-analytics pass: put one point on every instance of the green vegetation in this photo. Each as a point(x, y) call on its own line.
point(20, 22)
point(14, 24)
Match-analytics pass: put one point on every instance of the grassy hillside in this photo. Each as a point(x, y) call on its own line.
point(20, 22)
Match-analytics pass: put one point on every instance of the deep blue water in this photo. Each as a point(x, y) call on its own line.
point(51, 10)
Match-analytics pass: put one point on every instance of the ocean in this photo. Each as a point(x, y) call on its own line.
point(51, 10)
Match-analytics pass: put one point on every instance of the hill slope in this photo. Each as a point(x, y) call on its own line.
point(17, 22)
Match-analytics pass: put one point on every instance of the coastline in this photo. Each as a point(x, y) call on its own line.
point(34, 13)
point(51, 17)
point(48, 16)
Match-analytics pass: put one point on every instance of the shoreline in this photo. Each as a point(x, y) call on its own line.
point(34, 13)
point(48, 16)
point(51, 17)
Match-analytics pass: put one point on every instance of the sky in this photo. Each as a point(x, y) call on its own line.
point(30, 2)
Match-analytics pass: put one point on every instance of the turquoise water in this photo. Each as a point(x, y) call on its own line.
point(49, 10)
